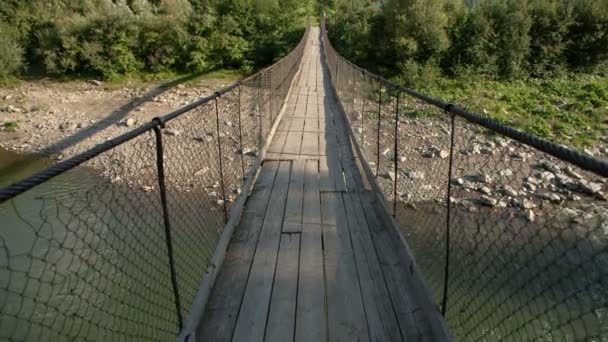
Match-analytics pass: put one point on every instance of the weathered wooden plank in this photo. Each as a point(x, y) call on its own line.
point(293, 142)
point(292, 222)
point(311, 210)
point(278, 142)
point(222, 309)
point(395, 274)
point(311, 124)
point(251, 321)
point(281, 323)
point(381, 318)
point(345, 313)
point(297, 124)
point(310, 143)
point(311, 318)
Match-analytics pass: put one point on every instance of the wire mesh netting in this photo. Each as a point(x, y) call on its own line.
point(524, 253)
point(87, 251)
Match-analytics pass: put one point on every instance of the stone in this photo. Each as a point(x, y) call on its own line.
point(487, 201)
point(485, 190)
point(549, 196)
point(547, 176)
point(528, 204)
point(253, 152)
point(444, 154)
point(96, 83)
point(130, 122)
point(415, 174)
point(590, 187)
point(533, 181)
point(509, 191)
point(385, 152)
point(549, 166)
point(13, 109)
point(389, 175)
point(228, 123)
point(506, 172)
point(147, 188)
point(201, 171)
point(458, 181)
point(171, 131)
point(530, 216)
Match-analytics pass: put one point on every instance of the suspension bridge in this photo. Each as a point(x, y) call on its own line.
point(310, 202)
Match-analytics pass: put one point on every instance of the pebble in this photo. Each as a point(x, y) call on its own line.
point(487, 201)
point(171, 131)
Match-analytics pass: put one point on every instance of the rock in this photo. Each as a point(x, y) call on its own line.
point(389, 175)
point(228, 123)
point(519, 156)
point(147, 188)
point(530, 216)
point(458, 181)
point(589, 187)
point(201, 171)
point(96, 83)
point(487, 151)
point(171, 131)
point(532, 180)
point(506, 172)
point(130, 122)
point(501, 204)
point(485, 190)
point(415, 174)
point(509, 191)
point(249, 151)
point(530, 186)
point(444, 154)
point(549, 166)
point(487, 201)
point(528, 204)
point(13, 109)
point(385, 152)
point(549, 196)
point(547, 176)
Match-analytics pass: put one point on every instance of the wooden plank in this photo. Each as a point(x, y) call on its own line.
point(293, 142)
point(222, 309)
point(292, 222)
point(311, 319)
point(311, 208)
point(297, 124)
point(251, 322)
point(281, 322)
point(381, 318)
point(396, 276)
point(345, 313)
point(310, 143)
point(277, 144)
point(284, 124)
point(311, 125)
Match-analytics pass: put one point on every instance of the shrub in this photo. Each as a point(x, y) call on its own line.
point(11, 53)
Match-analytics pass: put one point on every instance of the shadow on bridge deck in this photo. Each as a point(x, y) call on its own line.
point(315, 257)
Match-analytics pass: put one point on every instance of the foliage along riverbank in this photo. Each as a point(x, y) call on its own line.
point(112, 39)
point(539, 65)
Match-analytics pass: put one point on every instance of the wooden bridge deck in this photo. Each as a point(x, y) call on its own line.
point(313, 258)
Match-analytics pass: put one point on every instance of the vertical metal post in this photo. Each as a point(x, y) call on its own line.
point(396, 156)
point(219, 148)
point(363, 98)
point(160, 168)
point(378, 128)
point(241, 135)
point(260, 142)
point(270, 98)
point(444, 303)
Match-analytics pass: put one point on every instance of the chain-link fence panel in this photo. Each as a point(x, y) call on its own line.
point(83, 255)
point(510, 236)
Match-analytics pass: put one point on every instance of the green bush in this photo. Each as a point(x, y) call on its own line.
point(11, 53)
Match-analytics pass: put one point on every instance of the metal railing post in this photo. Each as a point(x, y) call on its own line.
point(396, 156)
point(160, 169)
point(444, 301)
point(219, 148)
point(363, 98)
point(241, 135)
point(378, 127)
point(260, 133)
point(270, 98)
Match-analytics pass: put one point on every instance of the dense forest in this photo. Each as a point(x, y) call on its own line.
point(114, 38)
point(537, 64)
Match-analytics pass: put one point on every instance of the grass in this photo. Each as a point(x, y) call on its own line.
point(570, 110)
point(10, 126)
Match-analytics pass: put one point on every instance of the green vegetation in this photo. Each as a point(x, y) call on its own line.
point(10, 126)
point(539, 65)
point(114, 39)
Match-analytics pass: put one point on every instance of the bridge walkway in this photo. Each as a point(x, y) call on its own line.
point(313, 258)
